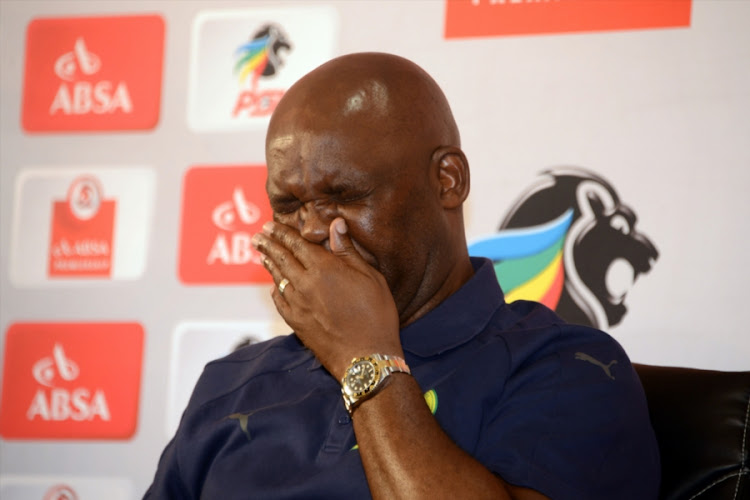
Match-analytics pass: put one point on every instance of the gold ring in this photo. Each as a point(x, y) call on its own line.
point(282, 285)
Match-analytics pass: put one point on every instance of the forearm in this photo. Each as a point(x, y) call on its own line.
point(342, 308)
point(406, 454)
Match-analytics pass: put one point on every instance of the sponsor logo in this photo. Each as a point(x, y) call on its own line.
point(571, 244)
point(242, 62)
point(607, 368)
point(71, 381)
point(195, 344)
point(486, 18)
point(222, 207)
point(65, 488)
point(79, 60)
point(93, 73)
point(61, 492)
point(82, 227)
point(260, 57)
point(80, 97)
point(96, 228)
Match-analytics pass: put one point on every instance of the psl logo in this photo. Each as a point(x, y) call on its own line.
point(256, 58)
point(571, 244)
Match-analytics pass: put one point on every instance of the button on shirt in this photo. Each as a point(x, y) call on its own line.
point(541, 403)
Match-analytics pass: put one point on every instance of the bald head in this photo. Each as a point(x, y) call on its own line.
point(372, 95)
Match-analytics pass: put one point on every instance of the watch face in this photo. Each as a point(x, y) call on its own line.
point(361, 376)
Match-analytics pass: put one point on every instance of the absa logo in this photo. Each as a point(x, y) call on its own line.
point(79, 97)
point(93, 73)
point(82, 231)
point(221, 210)
point(571, 244)
point(259, 57)
point(59, 403)
point(232, 243)
point(61, 492)
point(71, 380)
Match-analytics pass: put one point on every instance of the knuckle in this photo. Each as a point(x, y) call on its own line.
point(294, 245)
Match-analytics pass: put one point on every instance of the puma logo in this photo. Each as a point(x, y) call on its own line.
point(242, 419)
point(585, 357)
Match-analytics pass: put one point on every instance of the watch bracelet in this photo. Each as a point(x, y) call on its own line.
point(387, 365)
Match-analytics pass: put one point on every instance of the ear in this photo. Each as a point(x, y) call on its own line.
point(453, 175)
point(597, 207)
point(594, 199)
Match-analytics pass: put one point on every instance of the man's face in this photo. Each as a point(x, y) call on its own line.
point(380, 187)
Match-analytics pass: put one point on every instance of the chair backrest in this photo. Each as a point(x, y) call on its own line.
point(701, 422)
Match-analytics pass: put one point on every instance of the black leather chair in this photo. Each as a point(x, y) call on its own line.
point(701, 422)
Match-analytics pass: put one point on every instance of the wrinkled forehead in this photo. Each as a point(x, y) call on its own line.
point(303, 149)
point(306, 153)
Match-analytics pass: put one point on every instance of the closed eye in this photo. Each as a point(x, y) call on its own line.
point(349, 195)
point(284, 205)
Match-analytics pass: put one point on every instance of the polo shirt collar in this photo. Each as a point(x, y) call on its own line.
point(460, 317)
point(457, 319)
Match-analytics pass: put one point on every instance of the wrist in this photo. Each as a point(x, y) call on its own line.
point(367, 375)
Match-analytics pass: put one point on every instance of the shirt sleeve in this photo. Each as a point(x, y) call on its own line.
point(167, 483)
point(572, 420)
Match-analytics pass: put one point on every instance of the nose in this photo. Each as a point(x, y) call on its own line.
point(314, 220)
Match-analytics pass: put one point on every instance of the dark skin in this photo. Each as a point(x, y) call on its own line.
point(366, 180)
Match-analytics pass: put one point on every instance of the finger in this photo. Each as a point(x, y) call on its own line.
point(277, 259)
point(272, 270)
point(280, 300)
point(305, 252)
point(282, 288)
point(342, 244)
point(338, 235)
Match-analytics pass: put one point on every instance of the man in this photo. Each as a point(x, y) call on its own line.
point(463, 396)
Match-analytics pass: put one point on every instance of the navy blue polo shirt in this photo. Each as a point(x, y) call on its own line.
point(541, 403)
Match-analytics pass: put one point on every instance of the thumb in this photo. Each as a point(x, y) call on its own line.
point(341, 243)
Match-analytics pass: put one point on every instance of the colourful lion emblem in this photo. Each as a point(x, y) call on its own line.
point(569, 243)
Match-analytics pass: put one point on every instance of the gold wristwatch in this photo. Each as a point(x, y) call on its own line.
point(366, 375)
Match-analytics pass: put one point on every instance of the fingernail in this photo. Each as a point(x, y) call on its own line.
point(340, 226)
point(268, 228)
point(255, 240)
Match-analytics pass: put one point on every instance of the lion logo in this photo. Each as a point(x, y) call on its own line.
point(261, 55)
point(571, 244)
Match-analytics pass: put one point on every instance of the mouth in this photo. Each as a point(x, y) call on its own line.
point(647, 257)
point(619, 279)
point(367, 256)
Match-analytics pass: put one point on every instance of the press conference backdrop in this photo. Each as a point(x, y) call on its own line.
point(607, 142)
